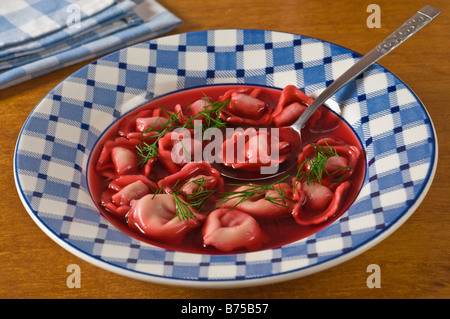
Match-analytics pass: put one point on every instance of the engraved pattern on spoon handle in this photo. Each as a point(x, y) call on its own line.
point(411, 26)
point(414, 24)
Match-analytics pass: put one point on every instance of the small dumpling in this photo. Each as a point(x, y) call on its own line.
point(231, 229)
point(155, 216)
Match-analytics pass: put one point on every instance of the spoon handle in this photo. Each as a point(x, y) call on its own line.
point(414, 24)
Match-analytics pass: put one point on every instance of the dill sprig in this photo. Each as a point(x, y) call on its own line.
point(184, 210)
point(317, 164)
point(210, 114)
point(197, 199)
point(175, 118)
point(148, 151)
point(253, 191)
point(280, 199)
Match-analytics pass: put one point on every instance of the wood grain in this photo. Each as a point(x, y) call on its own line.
point(414, 261)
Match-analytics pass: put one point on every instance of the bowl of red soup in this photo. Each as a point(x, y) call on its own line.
point(173, 160)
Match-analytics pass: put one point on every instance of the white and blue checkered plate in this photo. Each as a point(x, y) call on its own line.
point(56, 141)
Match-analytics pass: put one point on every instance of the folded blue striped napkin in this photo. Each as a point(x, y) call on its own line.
point(72, 31)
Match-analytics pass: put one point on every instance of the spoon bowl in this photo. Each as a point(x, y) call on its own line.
point(277, 170)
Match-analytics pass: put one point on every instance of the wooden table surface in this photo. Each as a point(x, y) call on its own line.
point(414, 261)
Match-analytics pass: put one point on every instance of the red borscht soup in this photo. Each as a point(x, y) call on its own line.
point(154, 172)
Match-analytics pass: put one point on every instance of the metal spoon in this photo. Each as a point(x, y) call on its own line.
point(410, 27)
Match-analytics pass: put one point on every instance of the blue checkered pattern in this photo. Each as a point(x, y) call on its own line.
point(54, 146)
point(119, 24)
point(26, 20)
point(108, 21)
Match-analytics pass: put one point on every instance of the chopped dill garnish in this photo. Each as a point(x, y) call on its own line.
point(210, 114)
point(252, 191)
point(317, 164)
point(281, 197)
point(175, 119)
point(149, 151)
point(184, 210)
point(196, 199)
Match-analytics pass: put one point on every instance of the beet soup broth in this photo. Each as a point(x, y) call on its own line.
point(180, 202)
